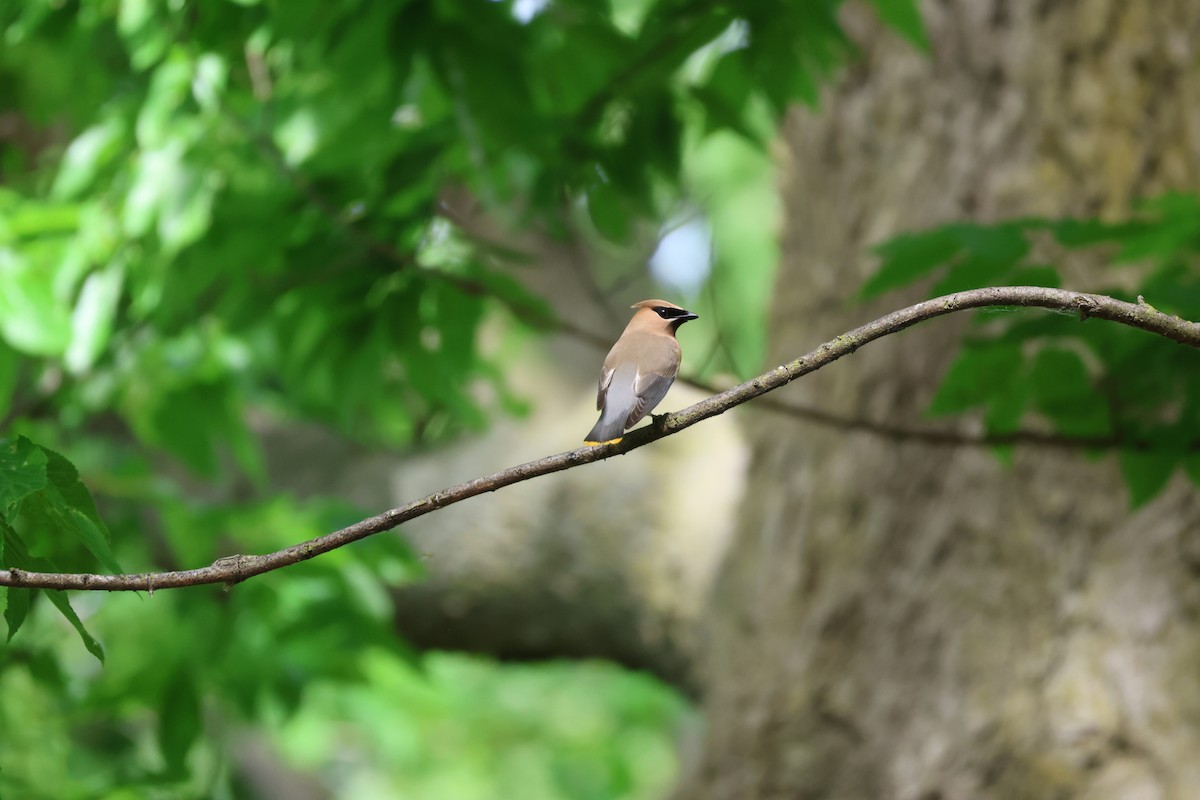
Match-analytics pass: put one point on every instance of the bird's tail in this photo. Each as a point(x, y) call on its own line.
point(605, 431)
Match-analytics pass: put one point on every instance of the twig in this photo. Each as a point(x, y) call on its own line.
point(234, 569)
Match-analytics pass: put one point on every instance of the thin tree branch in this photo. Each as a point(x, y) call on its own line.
point(235, 569)
point(944, 437)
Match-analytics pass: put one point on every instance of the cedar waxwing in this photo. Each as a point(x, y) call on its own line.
point(638, 370)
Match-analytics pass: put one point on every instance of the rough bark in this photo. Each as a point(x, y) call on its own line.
point(899, 621)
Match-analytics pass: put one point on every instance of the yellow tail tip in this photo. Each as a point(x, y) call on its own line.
point(597, 444)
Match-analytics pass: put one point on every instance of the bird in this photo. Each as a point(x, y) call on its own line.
point(638, 370)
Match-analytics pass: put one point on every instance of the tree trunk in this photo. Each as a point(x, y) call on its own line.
point(901, 621)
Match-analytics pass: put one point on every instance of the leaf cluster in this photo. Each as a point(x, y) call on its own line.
point(231, 209)
point(1099, 386)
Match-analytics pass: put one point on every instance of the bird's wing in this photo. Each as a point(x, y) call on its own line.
point(605, 379)
point(653, 380)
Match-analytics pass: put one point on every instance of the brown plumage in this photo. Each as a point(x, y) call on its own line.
point(639, 369)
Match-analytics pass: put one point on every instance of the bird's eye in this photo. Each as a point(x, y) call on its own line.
point(663, 312)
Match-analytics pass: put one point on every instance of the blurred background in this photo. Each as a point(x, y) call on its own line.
point(268, 268)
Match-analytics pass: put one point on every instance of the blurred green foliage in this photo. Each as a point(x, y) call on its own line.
point(209, 210)
point(1103, 386)
point(465, 730)
point(212, 209)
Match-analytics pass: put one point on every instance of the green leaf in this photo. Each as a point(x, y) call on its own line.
point(910, 256)
point(904, 17)
point(160, 123)
point(1175, 288)
point(1175, 228)
point(16, 610)
point(186, 211)
point(188, 422)
point(87, 154)
point(179, 720)
point(609, 212)
point(10, 372)
point(22, 472)
point(154, 173)
point(971, 272)
point(19, 600)
point(1003, 245)
point(457, 318)
point(725, 96)
point(585, 55)
point(92, 320)
point(31, 318)
point(32, 219)
point(1146, 473)
point(146, 37)
point(1006, 405)
point(60, 601)
point(210, 81)
point(1183, 207)
point(1064, 393)
point(65, 506)
point(793, 52)
point(1083, 232)
point(1157, 241)
point(975, 375)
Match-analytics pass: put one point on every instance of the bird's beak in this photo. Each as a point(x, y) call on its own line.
point(688, 317)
